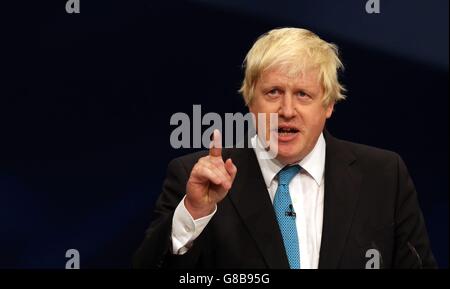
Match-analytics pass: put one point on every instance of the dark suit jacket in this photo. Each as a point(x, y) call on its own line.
point(369, 202)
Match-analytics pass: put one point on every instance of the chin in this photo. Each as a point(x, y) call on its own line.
point(289, 153)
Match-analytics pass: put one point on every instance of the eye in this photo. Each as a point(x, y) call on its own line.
point(275, 92)
point(302, 94)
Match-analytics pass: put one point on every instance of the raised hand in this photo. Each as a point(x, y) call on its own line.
point(210, 180)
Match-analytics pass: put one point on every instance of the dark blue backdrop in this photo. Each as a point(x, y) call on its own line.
point(86, 101)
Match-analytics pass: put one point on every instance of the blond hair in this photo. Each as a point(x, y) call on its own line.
point(295, 50)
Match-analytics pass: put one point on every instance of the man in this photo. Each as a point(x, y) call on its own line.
point(321, 203)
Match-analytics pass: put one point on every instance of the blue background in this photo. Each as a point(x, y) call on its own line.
point(86, 101)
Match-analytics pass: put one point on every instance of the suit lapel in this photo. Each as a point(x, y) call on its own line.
point(251, 199)
point(342, 182)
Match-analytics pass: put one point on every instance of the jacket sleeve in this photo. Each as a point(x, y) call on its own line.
point(156, 249)
point(412, 246)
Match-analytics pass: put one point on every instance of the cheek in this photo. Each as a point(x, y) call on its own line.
point(314, 118)
point(262, 109)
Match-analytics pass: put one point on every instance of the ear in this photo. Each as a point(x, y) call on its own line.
point(329, 110)
point(250, 107)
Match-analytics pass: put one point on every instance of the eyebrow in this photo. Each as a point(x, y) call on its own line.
point(306, 89)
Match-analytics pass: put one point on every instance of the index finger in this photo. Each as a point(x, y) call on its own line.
point(215, 149)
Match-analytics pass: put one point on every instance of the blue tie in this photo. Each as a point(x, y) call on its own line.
point(286, 215)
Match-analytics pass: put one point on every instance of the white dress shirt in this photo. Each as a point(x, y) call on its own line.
point(307, 193)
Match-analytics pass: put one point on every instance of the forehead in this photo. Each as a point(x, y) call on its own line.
point(286, 76)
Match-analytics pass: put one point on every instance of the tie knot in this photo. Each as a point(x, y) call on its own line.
point(287, 173)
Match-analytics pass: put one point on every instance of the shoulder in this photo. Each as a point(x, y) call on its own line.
point(364, 155)
point(371, 153)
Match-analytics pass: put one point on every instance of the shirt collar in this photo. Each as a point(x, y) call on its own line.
point(313, 163)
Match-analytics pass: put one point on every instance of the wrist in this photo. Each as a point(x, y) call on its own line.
point(198, 211)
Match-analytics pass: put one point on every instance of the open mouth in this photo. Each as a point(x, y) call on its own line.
point(286, 131)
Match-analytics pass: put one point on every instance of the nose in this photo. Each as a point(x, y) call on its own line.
point(287, 109)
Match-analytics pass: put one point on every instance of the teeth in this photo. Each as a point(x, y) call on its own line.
point(287, 130)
